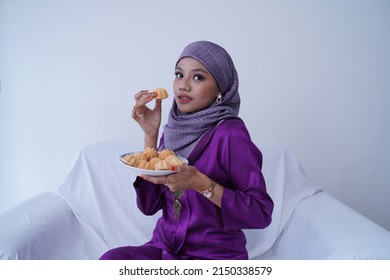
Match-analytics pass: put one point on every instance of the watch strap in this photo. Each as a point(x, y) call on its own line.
point(210, 189)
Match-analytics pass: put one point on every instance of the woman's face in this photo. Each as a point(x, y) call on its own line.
point(194, 86)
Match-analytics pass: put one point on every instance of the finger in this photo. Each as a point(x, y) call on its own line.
point(137, 112)
point(145, 95)
point(134, 114)
point(174, 168)
point(139, 109)
point(139, 94)
point(181, 169)
point(154, 179)
point(144, 99)
point(157, 106)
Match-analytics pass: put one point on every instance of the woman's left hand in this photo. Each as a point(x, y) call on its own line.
point(184, 178)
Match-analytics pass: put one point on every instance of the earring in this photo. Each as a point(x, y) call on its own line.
point(219, 98)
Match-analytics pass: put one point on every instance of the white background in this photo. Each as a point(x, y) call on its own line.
point(197, 269)
point(314, 77)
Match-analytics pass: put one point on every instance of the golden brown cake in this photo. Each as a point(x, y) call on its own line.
point(152, 159)
point(144, 164)
point(161, 165)
point(130, 159)
point(174, 160)
point(150, 153)
point(161, 93)
point(165, 153)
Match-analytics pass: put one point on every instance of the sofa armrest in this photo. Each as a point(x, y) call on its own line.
point(322, 227)
point(42, 227)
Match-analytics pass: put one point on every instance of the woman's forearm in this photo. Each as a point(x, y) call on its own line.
point(150, 141)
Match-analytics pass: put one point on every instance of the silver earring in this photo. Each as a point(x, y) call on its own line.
point(219, 98)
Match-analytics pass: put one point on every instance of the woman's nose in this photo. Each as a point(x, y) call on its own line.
point(184, 85)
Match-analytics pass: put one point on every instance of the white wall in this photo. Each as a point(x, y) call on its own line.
point(314, 78)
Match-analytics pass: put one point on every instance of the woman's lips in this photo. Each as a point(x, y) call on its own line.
point(184, 99)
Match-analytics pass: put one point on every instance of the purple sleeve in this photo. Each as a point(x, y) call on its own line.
point(245, 204)
point(149, 196)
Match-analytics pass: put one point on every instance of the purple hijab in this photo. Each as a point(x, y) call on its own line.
point(184, 129)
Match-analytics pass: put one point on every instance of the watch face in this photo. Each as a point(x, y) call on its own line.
point(207, 194)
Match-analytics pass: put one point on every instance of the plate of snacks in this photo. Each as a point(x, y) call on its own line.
point(152, 162)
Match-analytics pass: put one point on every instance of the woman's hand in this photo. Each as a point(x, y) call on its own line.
point(148, 119)
point(184, 178)
point(187, 177)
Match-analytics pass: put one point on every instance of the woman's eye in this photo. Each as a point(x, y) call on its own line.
point(178, 75)
point(198, 78)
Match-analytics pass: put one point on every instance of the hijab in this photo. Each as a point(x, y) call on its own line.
point(183, 130)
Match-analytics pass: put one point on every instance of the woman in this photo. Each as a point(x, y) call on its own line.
point(206, 204)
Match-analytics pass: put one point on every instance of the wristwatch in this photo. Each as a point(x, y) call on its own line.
point(210, 190)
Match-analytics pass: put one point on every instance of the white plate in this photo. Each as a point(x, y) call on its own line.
point(140, 171)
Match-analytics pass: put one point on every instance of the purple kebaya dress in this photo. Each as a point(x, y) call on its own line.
point(203, 230)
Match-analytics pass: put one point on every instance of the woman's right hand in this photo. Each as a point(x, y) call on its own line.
point(148, 119)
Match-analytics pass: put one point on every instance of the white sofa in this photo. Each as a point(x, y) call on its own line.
point(94, 209)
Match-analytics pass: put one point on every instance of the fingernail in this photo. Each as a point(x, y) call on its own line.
point(173, 168)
